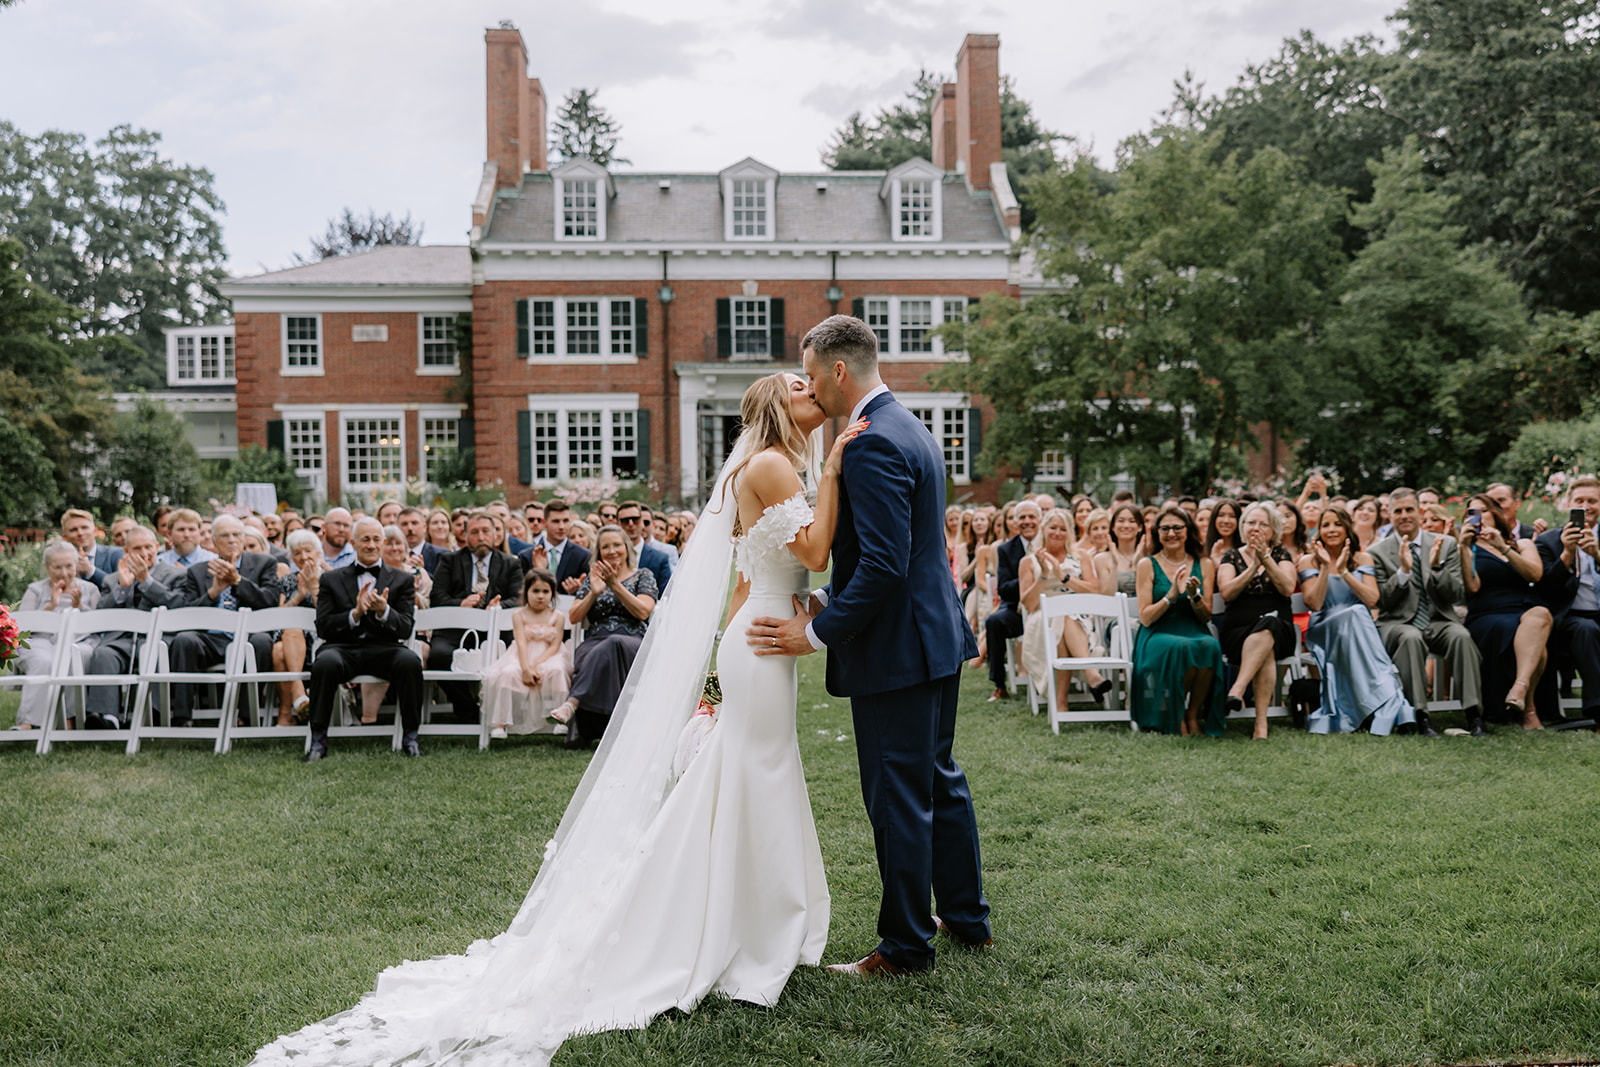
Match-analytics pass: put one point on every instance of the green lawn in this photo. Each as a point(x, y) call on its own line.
point(1156, 900)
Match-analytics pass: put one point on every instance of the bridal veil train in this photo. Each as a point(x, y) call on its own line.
point(653, 894)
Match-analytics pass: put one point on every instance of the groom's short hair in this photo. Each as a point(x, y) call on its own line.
point(847, 340)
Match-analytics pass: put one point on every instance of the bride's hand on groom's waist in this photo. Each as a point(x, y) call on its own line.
point(781, 637)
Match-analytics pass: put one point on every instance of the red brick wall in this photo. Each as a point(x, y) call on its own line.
point(978, 105)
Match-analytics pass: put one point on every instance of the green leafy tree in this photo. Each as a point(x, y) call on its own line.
point(585, 129)
point(27, 489)
point(148, 461)
point(129, 238)
point(1546, 448)
point(1419, 316)
point(257, 464)
point(350, 233)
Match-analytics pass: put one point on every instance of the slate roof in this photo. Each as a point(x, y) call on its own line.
point(394, 265)
point(850, 212)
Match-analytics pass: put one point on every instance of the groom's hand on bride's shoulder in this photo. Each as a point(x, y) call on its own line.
point(781, 637)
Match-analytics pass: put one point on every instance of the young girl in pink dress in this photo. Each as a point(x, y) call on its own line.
point(537, 660)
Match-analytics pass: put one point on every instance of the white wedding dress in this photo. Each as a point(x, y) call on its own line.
point(654, 895)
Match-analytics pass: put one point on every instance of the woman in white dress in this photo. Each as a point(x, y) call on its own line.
point(657, 891)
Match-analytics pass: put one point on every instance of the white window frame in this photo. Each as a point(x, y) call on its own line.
point(939, 404)
point(896, 185)
point(1054, 472)
point(747, 222)
point(765, 329)
point(607, 334)
point(901, 189)
point(194, 337)
point(319, 368)
point(750, 171)
point(581, 170)
point(894, 350)
point(561, 406)
point(450, 414)
point(453, 368)
point(361, 412)
point(316, 477)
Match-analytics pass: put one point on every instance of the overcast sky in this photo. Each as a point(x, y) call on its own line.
point(300, 107)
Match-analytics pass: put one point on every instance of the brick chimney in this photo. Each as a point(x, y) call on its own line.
point(977, 107)
point(509, 136)
point(534, 110)
point(944, 127)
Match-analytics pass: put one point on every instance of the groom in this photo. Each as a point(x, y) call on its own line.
point(896, 638)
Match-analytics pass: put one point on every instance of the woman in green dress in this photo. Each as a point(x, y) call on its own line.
point(1176, 660)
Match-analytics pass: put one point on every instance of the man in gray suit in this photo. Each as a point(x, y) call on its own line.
point(141, 584)
point(1419, 586)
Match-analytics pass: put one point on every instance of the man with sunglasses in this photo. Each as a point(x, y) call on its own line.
point(608, 512)
point(630, 516)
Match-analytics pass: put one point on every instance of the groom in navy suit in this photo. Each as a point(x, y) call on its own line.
point(896, 637)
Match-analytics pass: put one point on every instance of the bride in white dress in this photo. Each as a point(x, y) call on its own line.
point(655, 893)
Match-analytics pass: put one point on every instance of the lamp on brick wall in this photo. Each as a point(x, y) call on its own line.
point(834, 294)
point(665, 294)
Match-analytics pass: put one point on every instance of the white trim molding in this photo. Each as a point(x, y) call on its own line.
point(915, 192)
point(437, 340)
point(190, 349)
point(378, 438)
point(580, 435)
point(308, 346)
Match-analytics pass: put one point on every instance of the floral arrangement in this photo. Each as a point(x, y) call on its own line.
point(12, 639)
point(711, 697)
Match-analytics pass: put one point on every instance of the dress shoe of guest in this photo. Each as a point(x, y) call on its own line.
point(1099, 692)
point(409, 746)
point(999, 694)
point(574, 739)
point(943, 928)
point(180, 723)
point(92, 721)
point(872, 965)
point(1425, 727)
point(317, 751)
point(1475, 726)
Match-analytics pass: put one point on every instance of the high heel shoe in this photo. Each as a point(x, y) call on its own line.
point(1099, 691)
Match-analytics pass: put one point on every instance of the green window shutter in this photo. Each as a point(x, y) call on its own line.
point(775, 324)
point(275, 436)
point(641, 327)
point(858, 309)
point(724, 327)
point(641, 441)
point(464, 433)
point(525, 447)
point(974, 439)
point(972, 300)
point(522, 328)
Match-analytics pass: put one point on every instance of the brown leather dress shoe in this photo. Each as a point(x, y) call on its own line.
point(870, 966)
point(957, 938)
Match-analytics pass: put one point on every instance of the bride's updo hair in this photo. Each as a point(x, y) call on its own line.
point(767, 421)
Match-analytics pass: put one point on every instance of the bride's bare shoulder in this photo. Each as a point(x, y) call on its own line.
point(769, 473)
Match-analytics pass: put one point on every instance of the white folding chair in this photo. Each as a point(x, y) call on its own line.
point(1444, 696)
point(1118, 660)
point(483, 622)
point(39, 624)
point(141, 624)
point(159, 675)
point(503, 639)
point(247, 676)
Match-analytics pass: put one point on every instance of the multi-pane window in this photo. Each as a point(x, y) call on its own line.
point(438, 341)
point(624, 444)
point(751, 337)
point(916, 320)
point(749, 207)
point(583, 327)
point(1053, 466)
point(948, 425)
point(542, 323)
point(955, 312)
point(585, 436)
point(916, 208)
point(302, 344)
point(304, 438)
point(210, 357)
point(374, 451)
point(878, 319)
point(546, 446)
point(585, 445)
point(622, 327)
point(186, 362)
point(580, 208)
point(202, 357)
point(439, 435)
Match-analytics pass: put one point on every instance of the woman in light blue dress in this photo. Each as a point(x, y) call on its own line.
point(1359, 681)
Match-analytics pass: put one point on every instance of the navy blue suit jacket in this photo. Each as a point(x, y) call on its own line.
point(1008, 560)
point(894, 616)
point(657, 563)
point(1558, 585)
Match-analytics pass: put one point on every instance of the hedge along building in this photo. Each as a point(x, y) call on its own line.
point(618, 317)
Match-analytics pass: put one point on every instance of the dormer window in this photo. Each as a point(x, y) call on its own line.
point(582, 191)
point(916, 207)
point(749, 196)
point(913, 193)
point(749, 207)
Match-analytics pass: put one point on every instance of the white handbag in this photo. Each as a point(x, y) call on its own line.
point(469, 660)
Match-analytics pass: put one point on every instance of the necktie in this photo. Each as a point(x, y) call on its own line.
point(553, 556)
point(1424, 613)
point(480, 574)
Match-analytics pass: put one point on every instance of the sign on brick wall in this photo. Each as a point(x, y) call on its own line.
point(369, 333)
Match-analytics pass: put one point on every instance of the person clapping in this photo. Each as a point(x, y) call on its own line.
point(1510, 630)
point(1257, 580)
point(1176, 661)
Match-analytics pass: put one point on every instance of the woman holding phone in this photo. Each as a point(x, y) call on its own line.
point(1510, 630)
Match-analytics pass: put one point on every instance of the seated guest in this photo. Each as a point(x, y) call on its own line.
point(439, 533)
point(1365, 513)
point(979, 595)
point(1082, 506)
point(1359, 682)
point(1097, 537)
point(1294, 530)
point(1506, 499)
point(1224, 535)
point(538, 660)
point(475, 577)
point(552, 550)
point(140, 584)
point(631, 518)
point(389, 512)
point(955, 546)
point(119, 530)
point(159, 520)
point(614, 605)
point(297, 589)
point(183, 530)
point(1435, 519)
point(205, 535)
point(256, 541)
point(397, 554)
point(1177, 664)
point(60, 589)
point(581, 534)
point(337, 551)
point(1419, 586)
point(234, 579)
point(1054, 567)
point(254, 525)
point(1509, 628)
point(364, 616)
point(1256, 581)
point(96, 562)
point(1118, 566)
point(654, 527)
point(414, 525)
point(1427, 497)
point(274, 526)
point(458, 527)
point(533, 518)
point(1005, 621)
point(1571, 590)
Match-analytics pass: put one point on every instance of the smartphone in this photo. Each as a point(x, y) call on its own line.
point(1575, 517)
point(1474, 517)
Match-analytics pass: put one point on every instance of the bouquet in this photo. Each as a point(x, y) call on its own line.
point(699, 726)
point(12, 639)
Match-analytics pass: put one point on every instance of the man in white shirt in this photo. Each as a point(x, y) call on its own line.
point(1570, 588)
point(552, 550)
point(337, 551)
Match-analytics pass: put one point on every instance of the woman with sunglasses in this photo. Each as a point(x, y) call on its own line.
point(1176, 661)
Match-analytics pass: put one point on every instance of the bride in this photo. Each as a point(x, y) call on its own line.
point(655, 893)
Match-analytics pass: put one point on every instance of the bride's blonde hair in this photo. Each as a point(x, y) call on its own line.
point(766, 415)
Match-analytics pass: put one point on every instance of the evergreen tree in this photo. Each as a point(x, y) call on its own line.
point(350, 233)
point(584, 129)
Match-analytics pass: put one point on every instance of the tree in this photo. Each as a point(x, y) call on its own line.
point(257, 464)
point(148, 461)
point(126, 236)
point(1419, 315)
point(349, 233)
point(585, 129)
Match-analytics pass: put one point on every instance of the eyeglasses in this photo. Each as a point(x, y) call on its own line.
point(630, 519)
point(1171, 529)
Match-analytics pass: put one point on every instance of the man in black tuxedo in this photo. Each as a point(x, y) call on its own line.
point(364, 615)
point(235, 579)
point(139, 583)
point(1005, 621)
point(475, 577)
point(1570, 588)
point(552, 551)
